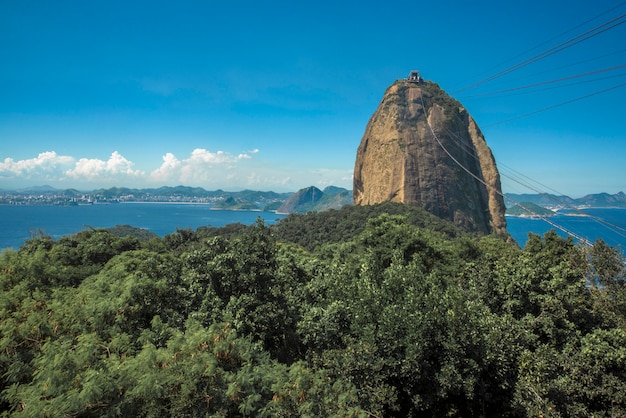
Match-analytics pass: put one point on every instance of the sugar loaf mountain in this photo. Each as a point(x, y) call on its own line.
point(421, 147)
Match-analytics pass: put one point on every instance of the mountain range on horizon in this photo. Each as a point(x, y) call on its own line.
point(301, 200)
point(562, 201)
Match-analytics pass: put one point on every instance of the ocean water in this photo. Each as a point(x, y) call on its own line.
point(608, 224)
point(17, 223)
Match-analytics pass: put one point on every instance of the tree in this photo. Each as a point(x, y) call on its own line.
point(246, 282)
point(607, 280)
point(392, 322)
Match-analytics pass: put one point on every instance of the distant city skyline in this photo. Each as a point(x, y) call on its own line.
point(276, 96)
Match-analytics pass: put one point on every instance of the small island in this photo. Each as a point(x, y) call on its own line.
point(528, 210)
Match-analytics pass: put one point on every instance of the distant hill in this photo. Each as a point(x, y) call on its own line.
point(544, 199)
point(251, 199)
point(38, 189)
point(190, 192)
point(528, 209)
point(230, 203)
point(166, 191)
point(603, 200)
point(273, 206)
point(598, 200)
point(44, 190)
point(330, 197)
point(302, 201)
point(312, 199)
point(332, 190)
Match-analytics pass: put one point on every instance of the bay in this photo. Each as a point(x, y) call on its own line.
point(608, 224)
point(18, 223)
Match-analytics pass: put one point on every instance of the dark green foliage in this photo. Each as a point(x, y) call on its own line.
point(131, 231)
point(316, 229)
point(607, 280)
point(396, 325)
point(272, 206)
point(359, 312)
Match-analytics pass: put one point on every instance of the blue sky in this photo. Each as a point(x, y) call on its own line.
point(276, 95)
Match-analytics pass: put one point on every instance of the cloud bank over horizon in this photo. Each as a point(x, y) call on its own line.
point(202, 167)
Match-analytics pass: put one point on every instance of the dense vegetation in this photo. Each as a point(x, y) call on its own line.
point(358, 312)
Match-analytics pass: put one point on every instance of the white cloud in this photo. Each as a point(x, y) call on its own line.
point(169, 169)
point(323, 177)
point(45, 165)
point(117, 166)
point(247, 156)
point(202, 167)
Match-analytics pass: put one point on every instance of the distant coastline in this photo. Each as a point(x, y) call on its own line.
point(271, 201)
point(528, 216)
point(151, 202)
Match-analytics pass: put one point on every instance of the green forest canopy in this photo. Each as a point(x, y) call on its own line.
point(361, 312)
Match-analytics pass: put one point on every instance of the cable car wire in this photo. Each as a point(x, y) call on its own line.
point(499, 192)
point(516, 177)
point(552, 39)
point(558, 80)
point(524, 181)
point(608, 25)
point(556, 105)
point(519, 179)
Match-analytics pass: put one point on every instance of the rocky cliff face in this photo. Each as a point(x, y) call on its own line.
point(421, 147)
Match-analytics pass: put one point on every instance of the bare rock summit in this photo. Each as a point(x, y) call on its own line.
point(421, 147)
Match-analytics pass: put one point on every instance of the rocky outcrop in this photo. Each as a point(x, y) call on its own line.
point(422, 148)
point(306, 197)
point(312, 199)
